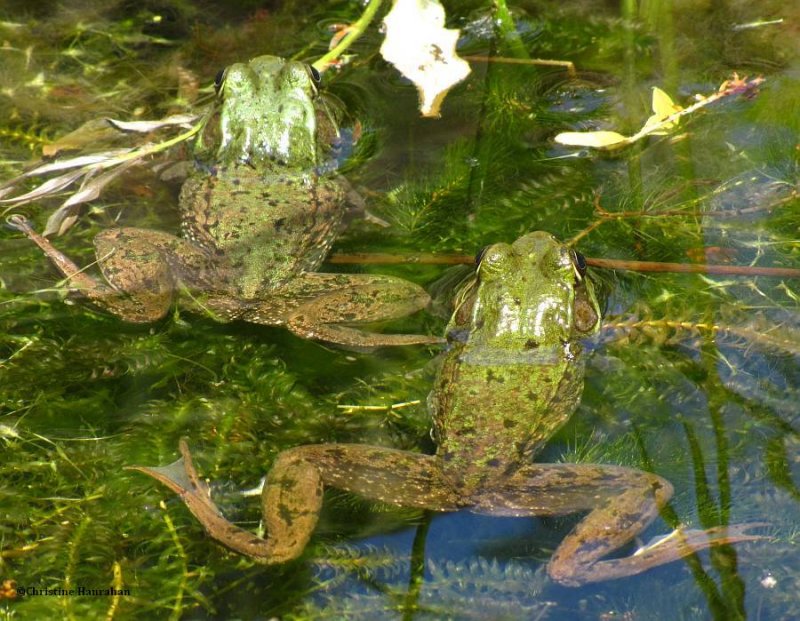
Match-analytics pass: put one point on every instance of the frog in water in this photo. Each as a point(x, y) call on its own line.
point(257, 220)
point(512, 376)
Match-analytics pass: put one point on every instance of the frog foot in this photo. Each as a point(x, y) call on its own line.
point(182, 478)
point(681, 542)
point(659, 551)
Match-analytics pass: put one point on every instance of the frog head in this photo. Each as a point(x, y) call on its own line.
point(268, 112)
point(527, 295)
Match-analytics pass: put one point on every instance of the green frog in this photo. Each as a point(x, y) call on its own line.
point(512, 376)
point(258, 218)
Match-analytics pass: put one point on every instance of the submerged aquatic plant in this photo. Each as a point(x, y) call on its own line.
point(698, 384)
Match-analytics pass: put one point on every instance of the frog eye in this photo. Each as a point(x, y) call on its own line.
point(218, 80)
point(492, 260)
point(315, 75)
point(579, 263)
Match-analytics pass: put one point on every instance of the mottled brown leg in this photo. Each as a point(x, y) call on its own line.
point(621, 503)
point(362, 299)
point(292, 495)
point(134, 261)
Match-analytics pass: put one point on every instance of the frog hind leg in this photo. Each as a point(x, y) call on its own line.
point(76, 276)
point(140, 266)
point(354, 299)
point(282, 543)
point(292, 495)
point(621, 503)
point(142, 286)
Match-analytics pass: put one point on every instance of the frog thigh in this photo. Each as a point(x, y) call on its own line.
point(387, 475)
point(357, 298)
point(136, 264)
point(292, 495)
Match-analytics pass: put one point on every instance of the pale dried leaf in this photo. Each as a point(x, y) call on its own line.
point(91, 189)
point(149, 126)
point(91, 134)
point(595, 140)
point(67, 223)
point(61, 220)
point(66, 215)
point(74, 162)
point(419, 46)
point(48, 187)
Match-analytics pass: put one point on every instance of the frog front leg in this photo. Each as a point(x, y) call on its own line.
point(621, 503)
point(139, 265)
point(347, 299)
point(292, 496)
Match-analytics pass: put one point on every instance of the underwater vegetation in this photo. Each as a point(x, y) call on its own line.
point(694, 377)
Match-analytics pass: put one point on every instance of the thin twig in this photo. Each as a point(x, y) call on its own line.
point(567, 65)
point(611, 264)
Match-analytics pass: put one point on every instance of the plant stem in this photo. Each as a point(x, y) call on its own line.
point(611, 264)
point(355, 31)
point(508, 30)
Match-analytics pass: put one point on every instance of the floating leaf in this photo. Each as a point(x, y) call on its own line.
point(663, 108)
point(595, 140)
point(666, 114)
point(91, 188)
point(67, 217)
point(419, 46)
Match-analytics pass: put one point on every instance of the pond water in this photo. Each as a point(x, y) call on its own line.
point(695, 377)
